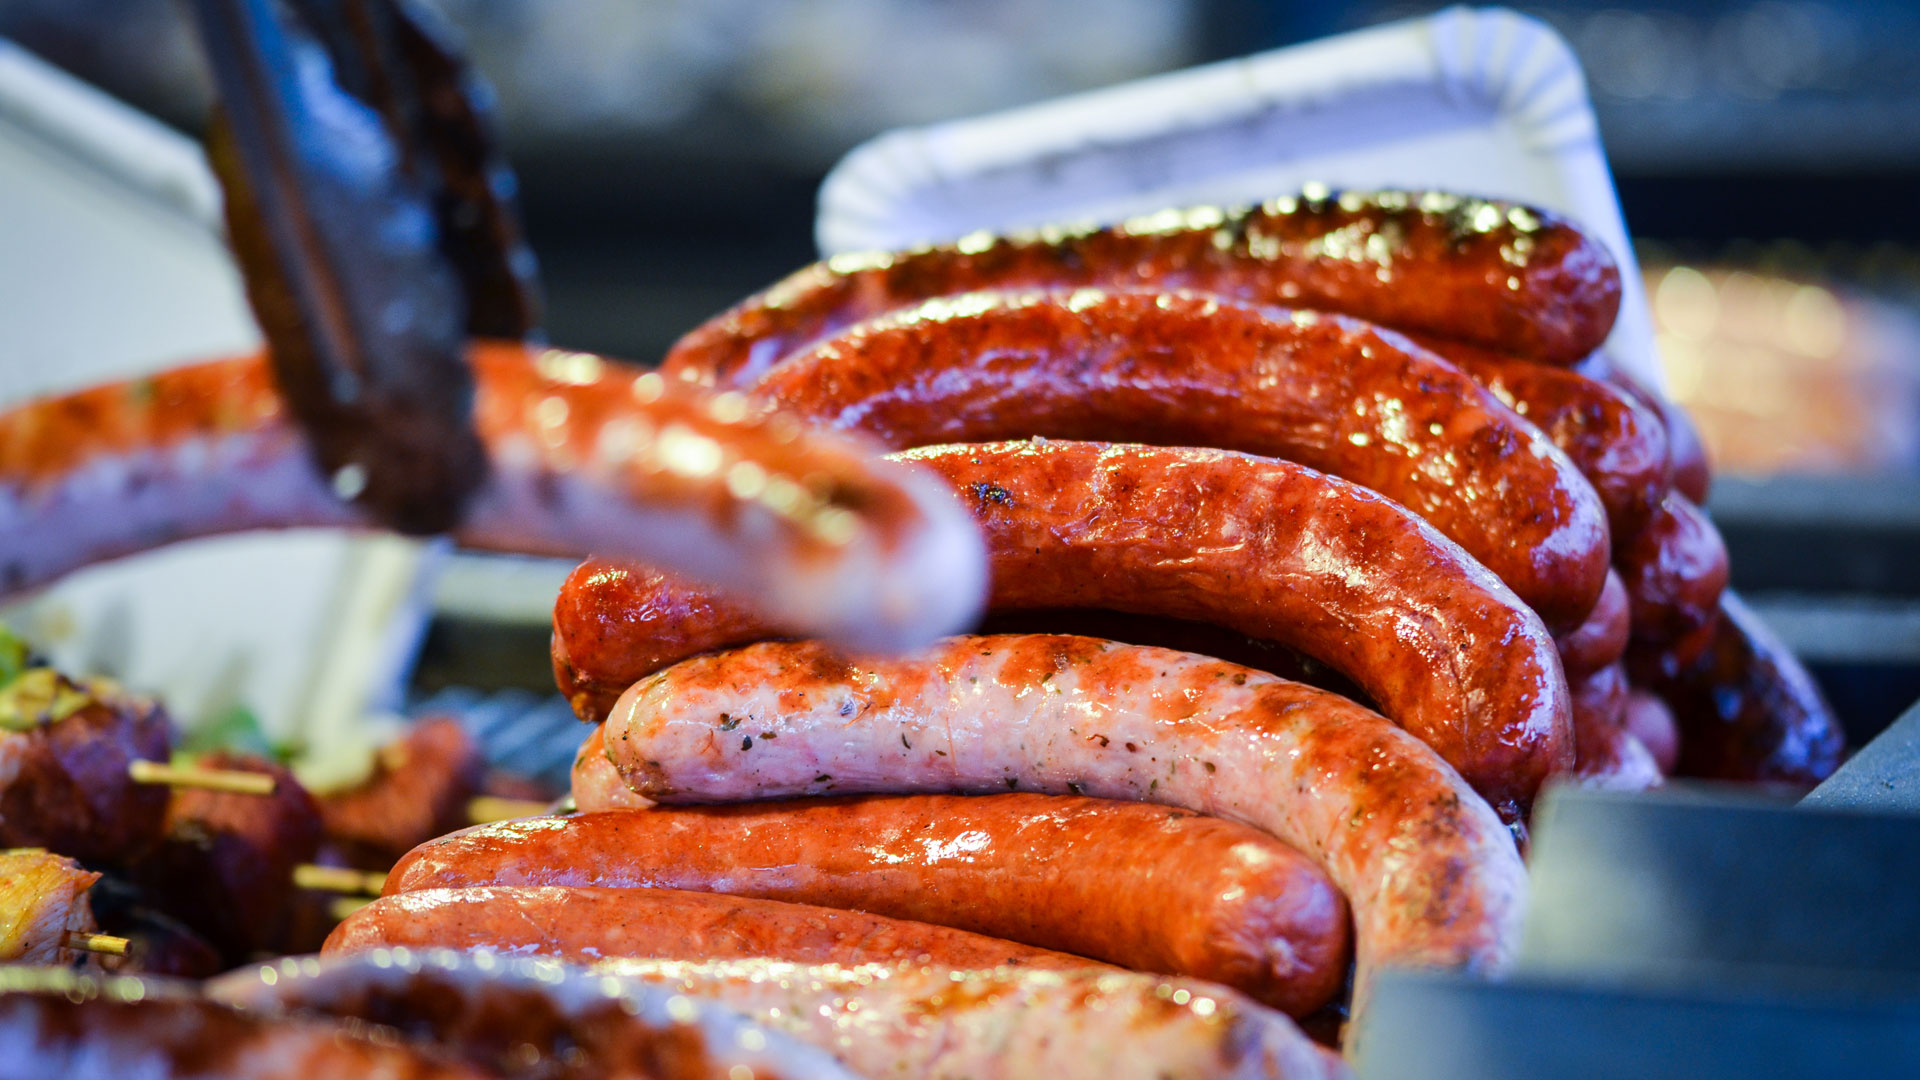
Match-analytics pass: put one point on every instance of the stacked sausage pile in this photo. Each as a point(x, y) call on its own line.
point(1361, 440)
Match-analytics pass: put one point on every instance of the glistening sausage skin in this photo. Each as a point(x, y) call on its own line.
point(1265, 547)
point(1375, 807)
point(1328, 392)
point(1501, 275)
point(1146, 887)
point(584, 924)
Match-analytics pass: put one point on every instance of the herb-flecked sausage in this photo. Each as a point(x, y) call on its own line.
point(1433, 877)
point(583, 455)
point(1265, 547)
point(1005, 1024)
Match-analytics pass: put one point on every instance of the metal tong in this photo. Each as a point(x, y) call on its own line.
point(375, 224)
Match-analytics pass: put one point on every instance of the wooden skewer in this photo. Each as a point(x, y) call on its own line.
point(338, 879)
point(487, 808)
point(344, 906)
point(234, 781)
point(105, 944)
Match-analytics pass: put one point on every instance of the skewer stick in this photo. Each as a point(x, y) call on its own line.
point(234, 781)
point(339, 879)
point(487, 808)
point(104, 944)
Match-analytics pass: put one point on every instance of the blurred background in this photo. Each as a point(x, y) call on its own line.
point(669, 150)
point(1767, 156)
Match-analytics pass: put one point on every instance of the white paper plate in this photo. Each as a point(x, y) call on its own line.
point(1480, 101)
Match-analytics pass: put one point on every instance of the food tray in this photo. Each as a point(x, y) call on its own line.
point(1484, 101)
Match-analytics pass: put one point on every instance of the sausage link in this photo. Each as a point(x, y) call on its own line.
point(1651, 722)
point(1373, 806)
point(1331, 393)
point(584, 924)
point(1618, 442)
point(1691, 470)
point(57, 1024)
point(596, 783)
point(1264, 547)
point(1602, 639)
point(500, 1012)
point(1607, 754)
point(584, 456)
point(1144, 887)
point(1674, 571)
point(1745, 707)
point(1496, 274)
point(1006, 1024)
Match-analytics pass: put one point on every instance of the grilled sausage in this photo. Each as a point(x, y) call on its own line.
point(1607, 754)
point(1495, 274)
point(1144, 887)
point(1331, 393)
point(54, 1023)
point(1687, 454)
point(1674, 571)
point(1006, 1024)
point(586, 924)
point(529, 1018)
point(1602, 639)
point(1650, 721)
point(1375, 807)
point(584, 456)
point(1264, 547)
point(1618, 442)
point(1745, 707)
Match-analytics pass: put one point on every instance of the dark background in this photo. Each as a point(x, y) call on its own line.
point(669, 151)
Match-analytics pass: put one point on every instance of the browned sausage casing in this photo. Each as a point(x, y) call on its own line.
point(1151, 888)
point(1432, 877)
point(585, 924)
point(1495, 274)
point(1745, 707)
point(1331, 393)
point(1687, 454)
point(1651, 722)
point(583, 455)
point(1602, 639)
point(1618, 442)
point(1265, 547)
point(1674, 570)
point(1607, 754)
